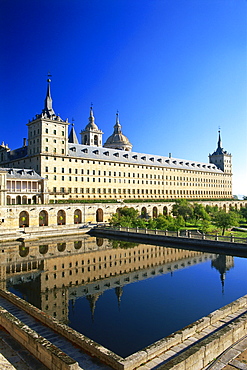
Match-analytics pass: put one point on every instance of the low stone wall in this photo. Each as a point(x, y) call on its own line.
point(199, 354)
point(41, 348)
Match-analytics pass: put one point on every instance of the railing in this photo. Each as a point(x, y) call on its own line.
point(195, 234)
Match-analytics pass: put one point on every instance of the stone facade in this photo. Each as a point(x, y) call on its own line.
point(112, 171)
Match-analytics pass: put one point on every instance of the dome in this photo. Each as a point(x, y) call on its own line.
point(118, 140)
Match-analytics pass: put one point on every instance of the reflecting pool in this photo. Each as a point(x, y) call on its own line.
point(124, 296)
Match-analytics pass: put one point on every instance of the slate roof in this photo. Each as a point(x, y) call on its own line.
point(21, 173)
point(117, 156)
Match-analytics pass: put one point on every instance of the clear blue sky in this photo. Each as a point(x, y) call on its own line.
point(175, 69)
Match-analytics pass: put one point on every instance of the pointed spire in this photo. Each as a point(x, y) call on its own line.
point(72, 135)
point(219, 141)
point(48, 110)
point(117, 127)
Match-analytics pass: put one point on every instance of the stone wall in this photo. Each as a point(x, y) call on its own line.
point(80, 213)
point(40, 347)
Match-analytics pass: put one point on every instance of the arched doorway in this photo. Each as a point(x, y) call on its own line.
point(23, 219)
point(144, 212)
point(8, 200)
point(155, 212)
point(61, 217)
point(24, 199)
point(23, 251)
point(18, 199)
point(77, 216)
point(99, 215)
point(34, 199)
point(61, 247)
point(43, 249)
point(99, 242)
point(43, 218)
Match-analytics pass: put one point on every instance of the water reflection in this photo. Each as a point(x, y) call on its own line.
point(90, 284)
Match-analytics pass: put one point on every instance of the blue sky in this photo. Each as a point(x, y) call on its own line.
point(175, 69)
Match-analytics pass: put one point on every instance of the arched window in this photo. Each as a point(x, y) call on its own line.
point(23, 219)
point(95, 140)
point(61, 217)
point(8, 200)
point(85, 140)
point(18, 199)
point(24, 199)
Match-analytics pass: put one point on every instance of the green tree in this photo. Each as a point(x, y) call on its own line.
point(200, 212)
point(243, 212)
point(225, 220)
point(126, 217)
point(182, 208)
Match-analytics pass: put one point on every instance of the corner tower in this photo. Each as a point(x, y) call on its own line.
point(47, 132)
point(221, 158)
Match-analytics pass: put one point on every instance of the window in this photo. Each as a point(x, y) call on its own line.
point(62, 170)
point(55, 132)
point(46, 130)
point(46, 169)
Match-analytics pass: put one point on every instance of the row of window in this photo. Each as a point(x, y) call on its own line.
point(134, 191)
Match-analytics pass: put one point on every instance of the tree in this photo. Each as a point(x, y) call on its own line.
point(126, 217)
point(225, 220)
point(200, 212)
point(243, 212)
point(182, 208)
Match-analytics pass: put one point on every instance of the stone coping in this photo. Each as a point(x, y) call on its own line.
point(143, 356)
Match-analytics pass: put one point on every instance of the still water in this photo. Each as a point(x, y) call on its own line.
point(125, 296)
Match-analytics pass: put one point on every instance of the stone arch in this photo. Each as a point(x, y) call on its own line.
point(24, 199)
point(99, 215)
point(144, 212)
point(61, 217)
point(23, 251)
point(77, 244)
point(95, 140)
point(99, 242)
point(165, 211)
point(61, 247)
point(24, 219)
point(43, 249)
point(43, 218)
point(18, 199)
point(77, 216)
point(8, 200)
point(34, 199)
point(155, 212)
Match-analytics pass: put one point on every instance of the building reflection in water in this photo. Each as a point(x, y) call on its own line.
point(50, 274)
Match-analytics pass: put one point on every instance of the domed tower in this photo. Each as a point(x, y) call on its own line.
point(117, 140)
point(91, 135)
point(221, 158)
